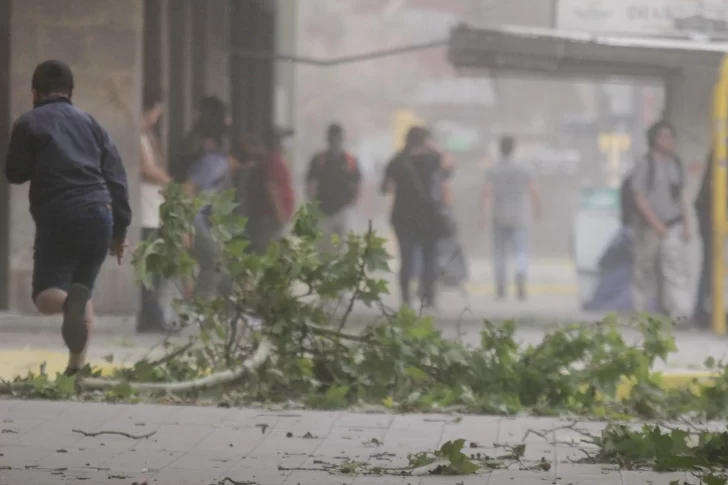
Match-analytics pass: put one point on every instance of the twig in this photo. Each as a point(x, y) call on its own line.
point(323, 331)
point(220, 378)
point(172, 355)
point(360, 277)
point(234, 482)
point(118, 433)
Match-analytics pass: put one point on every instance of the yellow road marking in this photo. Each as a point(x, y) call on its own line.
point(14, 363)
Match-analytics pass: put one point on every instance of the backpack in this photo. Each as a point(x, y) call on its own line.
point(627, 202)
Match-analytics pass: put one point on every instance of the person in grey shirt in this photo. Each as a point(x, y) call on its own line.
point(508, 190)
point(660, 226)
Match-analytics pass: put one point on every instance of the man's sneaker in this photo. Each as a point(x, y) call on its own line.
point(74, 329)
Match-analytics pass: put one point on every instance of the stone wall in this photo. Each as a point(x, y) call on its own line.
point(101, 40)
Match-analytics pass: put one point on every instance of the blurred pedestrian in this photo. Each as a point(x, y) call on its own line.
point(211, 173)
point(79, 201)
point(704, 212)
point(212, 113)
point(334, 182)
point(660, 227)
point(508, 187)
point(153, 314)
point(417, 177)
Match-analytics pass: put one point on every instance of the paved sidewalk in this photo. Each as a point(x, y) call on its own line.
point(203, 446)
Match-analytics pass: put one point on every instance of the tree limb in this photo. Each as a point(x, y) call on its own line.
point(220, 378)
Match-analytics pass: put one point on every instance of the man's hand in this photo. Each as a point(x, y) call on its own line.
point(118, 248)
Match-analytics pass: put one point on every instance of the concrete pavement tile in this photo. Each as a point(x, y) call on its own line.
point(359, 453)
point(97, 411)
point(200, 458)
point(361, 435)
point(293, 446)
point(205, 476)
point(38, 409)
point(251, 417)
point(516, 477)
point(78, 458)
point(242, 440)
point(426, 433)
point(150, 414)
point(567, 471)
point(323, 478)
point(40, 438)
point(34, 477)
point(421, 422)
point(305, 421)
point(513, 431)
point(174, 437)
point(203, 416)
point(20, 425)
point(642, 478)
point(266, 476)
point(22, 456)
point(387, 480)
point(136, 461)
point(363, 421)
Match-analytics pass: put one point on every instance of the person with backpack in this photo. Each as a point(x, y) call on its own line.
point(660, 226)
point(334, 182)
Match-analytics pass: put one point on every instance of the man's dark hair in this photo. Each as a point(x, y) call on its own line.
point(417, 136)
point(507, 145)
point(655, 129)
point(213, 109)
point(151, 97)
point(52, 77)
point(335, 130)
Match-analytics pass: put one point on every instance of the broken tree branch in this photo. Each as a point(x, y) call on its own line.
point(117, 433)
point(260, 356)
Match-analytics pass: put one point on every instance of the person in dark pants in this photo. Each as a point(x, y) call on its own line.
point(413, 174)
point(704, 211)
point(79, 201)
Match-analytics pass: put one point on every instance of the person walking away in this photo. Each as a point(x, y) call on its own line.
point(212, 173)
point(334, 182)
point(416, 176)
point(509, 184)
point(660, 226)
point(704, 210)
point(152, 315)
point(79, 201)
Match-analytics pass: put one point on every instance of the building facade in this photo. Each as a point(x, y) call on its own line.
point(190, 48)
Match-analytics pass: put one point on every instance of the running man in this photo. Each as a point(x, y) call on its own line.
point(79, 201)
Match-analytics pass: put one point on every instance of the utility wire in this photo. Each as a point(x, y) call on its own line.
point(479, 10)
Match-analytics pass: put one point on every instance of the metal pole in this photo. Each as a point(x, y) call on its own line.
point(720, 140)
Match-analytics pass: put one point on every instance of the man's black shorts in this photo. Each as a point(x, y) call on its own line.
point(71, 249)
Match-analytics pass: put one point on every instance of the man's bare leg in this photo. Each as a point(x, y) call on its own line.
point(77, 319)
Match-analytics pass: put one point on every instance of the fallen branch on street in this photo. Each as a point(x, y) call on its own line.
point(117, 433)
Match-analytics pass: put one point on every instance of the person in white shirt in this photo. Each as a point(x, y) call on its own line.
point(152, 317)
